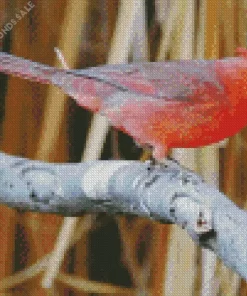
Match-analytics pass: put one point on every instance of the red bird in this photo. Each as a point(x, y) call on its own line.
point(186, 103)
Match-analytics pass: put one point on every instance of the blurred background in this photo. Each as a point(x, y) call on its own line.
point(44, 254)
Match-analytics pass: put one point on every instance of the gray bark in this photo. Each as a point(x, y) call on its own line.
point(168, 193)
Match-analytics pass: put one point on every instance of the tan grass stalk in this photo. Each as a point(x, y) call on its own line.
point(77, 283)
point(208, 156)
point(229, 281)
point(130, 237)
point(119, 52)
point(178, 37)
point(167, 28)
point(82, 285)
point(69, 43)
point(99, 128)
point(180, 265)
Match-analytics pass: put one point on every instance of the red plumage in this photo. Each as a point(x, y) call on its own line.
point(164, 104)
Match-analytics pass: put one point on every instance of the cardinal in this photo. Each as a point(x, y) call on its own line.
point(185, 103)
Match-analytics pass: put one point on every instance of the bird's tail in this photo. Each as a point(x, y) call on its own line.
point(27, 69)
point(87, 92)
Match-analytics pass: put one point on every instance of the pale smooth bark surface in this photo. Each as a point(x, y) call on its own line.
point(168, 193)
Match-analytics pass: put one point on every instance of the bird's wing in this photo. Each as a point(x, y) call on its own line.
point(179, 80)
point(192, 81)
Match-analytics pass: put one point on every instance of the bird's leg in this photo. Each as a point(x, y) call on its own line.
point(147, 152)
point(158, 156)
point(147, 156)
point(153, 158)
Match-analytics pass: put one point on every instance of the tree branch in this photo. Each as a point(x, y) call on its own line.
point(168, 193)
